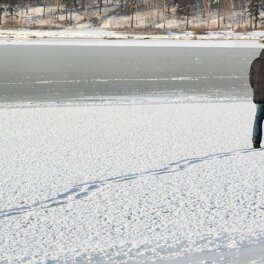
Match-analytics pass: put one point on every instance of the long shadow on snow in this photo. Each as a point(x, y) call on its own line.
point(80, 191)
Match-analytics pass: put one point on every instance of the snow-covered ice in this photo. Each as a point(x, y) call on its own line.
point(130, 183)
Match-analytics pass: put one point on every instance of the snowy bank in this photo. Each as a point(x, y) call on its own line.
point(21, 34)
point(136, 43)
point(129, 183)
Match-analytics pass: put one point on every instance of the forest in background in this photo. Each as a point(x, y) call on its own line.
point(174, 15)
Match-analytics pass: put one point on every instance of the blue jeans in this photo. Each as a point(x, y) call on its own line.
point(257, 129)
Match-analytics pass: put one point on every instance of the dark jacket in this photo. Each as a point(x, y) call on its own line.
point(256, 78)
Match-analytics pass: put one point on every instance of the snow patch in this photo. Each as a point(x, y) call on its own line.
point(128, 183)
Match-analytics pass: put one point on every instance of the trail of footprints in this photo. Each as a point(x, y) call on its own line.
point(82, 190)
point(75, 193)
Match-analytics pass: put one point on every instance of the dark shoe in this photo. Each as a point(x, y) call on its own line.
point(256, 145)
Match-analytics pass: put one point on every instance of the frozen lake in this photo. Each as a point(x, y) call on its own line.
point(137, 183)
point(81, 72)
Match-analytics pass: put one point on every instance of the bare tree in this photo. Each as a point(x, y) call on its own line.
point(132, 5)
point(218, 13)
point(100, 6)
point(44, 9)
point(58, 9)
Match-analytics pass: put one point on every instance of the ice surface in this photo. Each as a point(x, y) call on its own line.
point(129, 183)
point(66, 73)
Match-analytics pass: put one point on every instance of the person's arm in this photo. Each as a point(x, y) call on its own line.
point(252, 74)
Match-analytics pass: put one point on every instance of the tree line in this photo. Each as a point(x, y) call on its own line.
point(249, 11)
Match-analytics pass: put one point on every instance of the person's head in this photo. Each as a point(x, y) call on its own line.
point(262, 54)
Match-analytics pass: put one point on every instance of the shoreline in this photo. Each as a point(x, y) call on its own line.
point(100, 34)
point(107, 42)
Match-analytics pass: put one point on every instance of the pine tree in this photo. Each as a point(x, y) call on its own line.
point(183, 9)
point(68, 6)
point(184, 6)
point(254, 8)
point(2, 10)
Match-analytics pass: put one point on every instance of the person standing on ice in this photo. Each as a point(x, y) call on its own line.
point(256, 79)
